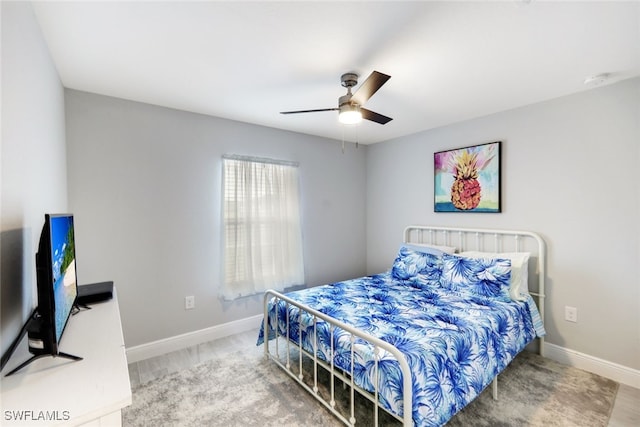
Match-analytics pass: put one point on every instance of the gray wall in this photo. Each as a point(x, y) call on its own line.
point(34, 168)
point(569, 172)
point(145, 186)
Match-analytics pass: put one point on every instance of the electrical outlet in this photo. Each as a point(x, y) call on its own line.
point(189, 302)
point(570, 314)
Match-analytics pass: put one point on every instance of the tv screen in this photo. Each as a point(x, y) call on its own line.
point(63, 266)
point(56, 272)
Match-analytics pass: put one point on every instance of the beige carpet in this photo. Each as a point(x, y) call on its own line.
point(246, 390)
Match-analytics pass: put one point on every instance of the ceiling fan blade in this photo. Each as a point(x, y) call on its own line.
point(369, 87)
point(309, 111)
point(374, 117)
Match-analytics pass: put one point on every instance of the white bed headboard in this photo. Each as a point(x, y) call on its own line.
point(488, 240)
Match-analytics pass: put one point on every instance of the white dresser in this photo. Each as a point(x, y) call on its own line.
point(57, 391)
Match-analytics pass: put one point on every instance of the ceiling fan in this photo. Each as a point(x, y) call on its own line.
point(350, 105)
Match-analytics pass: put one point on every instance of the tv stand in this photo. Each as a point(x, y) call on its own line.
point(38, 356)
point(34, 334)
point(92, 391)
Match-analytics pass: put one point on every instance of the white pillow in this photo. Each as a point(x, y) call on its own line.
point(519, 269)
point(432, 249)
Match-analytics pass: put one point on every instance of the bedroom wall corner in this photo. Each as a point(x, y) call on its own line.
point(145, 183)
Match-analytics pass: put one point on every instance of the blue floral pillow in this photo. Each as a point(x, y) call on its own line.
point(417, 267)
point(487, 277)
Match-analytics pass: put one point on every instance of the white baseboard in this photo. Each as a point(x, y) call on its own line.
point(167, 345)
point(604, 368)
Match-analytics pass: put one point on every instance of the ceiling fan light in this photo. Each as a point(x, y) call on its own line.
point(350, 114)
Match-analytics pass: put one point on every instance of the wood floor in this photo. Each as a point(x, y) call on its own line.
point(626, 410)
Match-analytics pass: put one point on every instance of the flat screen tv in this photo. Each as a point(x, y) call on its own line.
point(57, 288)
point(56, 276)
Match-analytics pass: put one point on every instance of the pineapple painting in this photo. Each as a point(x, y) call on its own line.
point(467, 179)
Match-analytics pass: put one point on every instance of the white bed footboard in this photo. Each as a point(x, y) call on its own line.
point(285, 362)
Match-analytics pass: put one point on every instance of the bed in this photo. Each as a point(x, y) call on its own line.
point(429, 334)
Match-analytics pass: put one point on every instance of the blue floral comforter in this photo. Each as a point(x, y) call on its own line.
point(455, 343)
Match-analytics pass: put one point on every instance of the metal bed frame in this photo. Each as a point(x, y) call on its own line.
point(464, 239)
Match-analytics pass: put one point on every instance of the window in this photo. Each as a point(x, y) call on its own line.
point(262, 227)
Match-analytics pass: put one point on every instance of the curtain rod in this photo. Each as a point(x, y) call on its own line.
point(260, 160)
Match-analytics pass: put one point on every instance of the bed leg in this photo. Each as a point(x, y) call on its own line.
point(494, 388)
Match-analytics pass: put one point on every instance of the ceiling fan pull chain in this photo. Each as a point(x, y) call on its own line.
point(357, 137)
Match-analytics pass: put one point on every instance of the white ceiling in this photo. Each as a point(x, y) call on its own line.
point(247, 61)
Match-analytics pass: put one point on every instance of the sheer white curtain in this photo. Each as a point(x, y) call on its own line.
point(262, 227)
